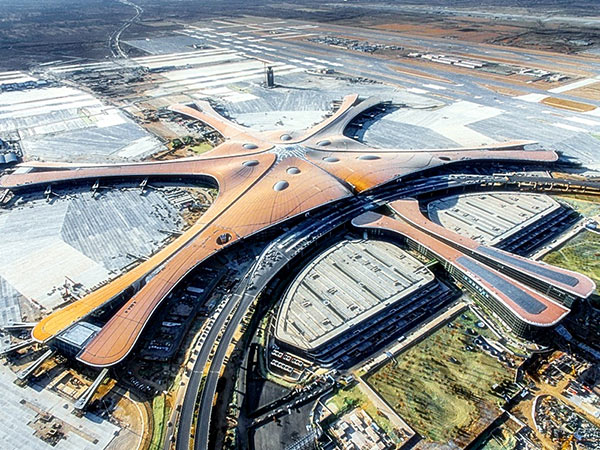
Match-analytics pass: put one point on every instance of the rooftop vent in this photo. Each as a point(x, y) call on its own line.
point(280, 185)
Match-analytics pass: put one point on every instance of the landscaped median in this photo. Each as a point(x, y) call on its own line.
point(160, 413)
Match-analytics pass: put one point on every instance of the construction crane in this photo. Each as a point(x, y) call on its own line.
point(570, 443)
point(573, 371)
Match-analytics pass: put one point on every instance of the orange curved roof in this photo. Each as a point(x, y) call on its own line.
point(207, 114)
point(263, 177)
point(233, 179)
point(566, 280)
point(551, 312)
point(231, 130)
point(366, 170)
point(262, 206)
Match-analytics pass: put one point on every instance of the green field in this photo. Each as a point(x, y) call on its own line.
point(159, 415)
point(580, 254)
point(441, 389)
point(501, 438)
point(201, 148)
point(587, 208)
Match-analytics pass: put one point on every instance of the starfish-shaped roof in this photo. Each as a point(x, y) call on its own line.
point(264, 178)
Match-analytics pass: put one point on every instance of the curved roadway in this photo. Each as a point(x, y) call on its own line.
point(287, 246)
point(115, 38)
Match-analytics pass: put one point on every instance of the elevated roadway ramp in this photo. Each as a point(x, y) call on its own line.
point(17, 346)
point(85, 398)
point(15, 326)
point(25, 373)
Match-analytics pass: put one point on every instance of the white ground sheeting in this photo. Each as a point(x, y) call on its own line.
point(450, 121)
point(34, 260)
point(48, 265)
point(140, 148)
point(287, 120)
point(15, 417)
point(583, 120)
point(62, 123)
point(532, 98)
point(566, 126)
point(87, 239)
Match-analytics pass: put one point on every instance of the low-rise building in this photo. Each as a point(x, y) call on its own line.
point(357, 431)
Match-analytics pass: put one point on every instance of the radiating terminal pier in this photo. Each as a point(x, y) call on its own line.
point(525, 310)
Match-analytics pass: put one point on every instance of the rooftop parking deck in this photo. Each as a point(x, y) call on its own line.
point(347, 284)
point(489, 218)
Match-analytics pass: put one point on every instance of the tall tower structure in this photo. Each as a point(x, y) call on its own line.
point(269, 77)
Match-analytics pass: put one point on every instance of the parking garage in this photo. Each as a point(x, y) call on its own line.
point(353, 295)
point(516, 222)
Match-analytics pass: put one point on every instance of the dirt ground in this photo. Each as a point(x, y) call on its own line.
point(467, 29)
point(503, 90)
point(591, 91)
point(420, 74)
point(441, 389)
point(522, 34)
point(569, 105)
point(134, 418)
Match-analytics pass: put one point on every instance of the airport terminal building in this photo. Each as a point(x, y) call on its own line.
point(360, 294)
point(527, 296)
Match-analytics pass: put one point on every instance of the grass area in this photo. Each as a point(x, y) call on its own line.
point(201, 148)
point(160, 413)
point(579, 253)
point(587, 206)
point(440, 388)
point(345, 400)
